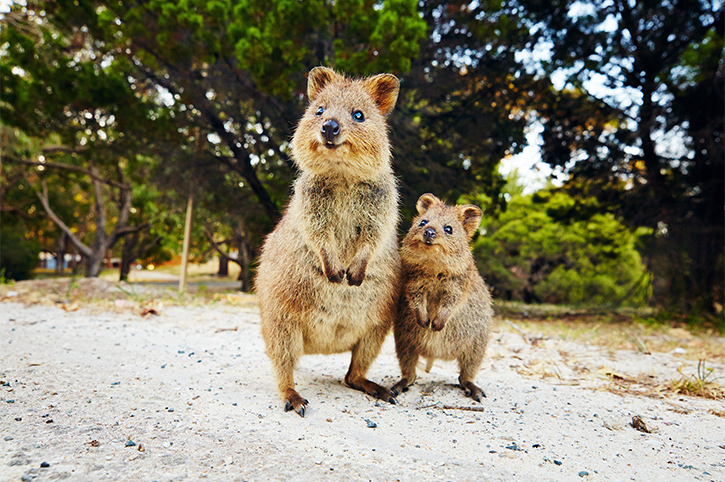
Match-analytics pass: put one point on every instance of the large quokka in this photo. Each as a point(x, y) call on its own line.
point(445, 307)
point(328, 278)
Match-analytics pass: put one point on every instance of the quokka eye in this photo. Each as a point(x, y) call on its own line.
point(423, 222)
point(320, 110)
point(448, 230)
point(358, 116)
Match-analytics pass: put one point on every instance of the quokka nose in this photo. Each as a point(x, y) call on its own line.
point(330, 129)
point(429, 234)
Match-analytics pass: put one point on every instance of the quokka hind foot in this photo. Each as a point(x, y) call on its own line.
point(293, 401)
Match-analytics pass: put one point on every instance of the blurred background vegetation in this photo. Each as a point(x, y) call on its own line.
point(114, 114)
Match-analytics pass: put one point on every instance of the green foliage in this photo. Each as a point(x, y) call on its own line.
point(18, 255)
point(548, 247)
point(276, 41)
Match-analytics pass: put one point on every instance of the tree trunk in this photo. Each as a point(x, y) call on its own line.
point(61, 249)
point(128, 255)
point(94, 264)
point(74, 264)
point(223, 265)
point(244, 265)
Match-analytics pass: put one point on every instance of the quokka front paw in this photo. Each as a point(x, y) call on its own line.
point(336, 276)
point(356, 272)
point(439, 322)
point(334, 272)
point(421, 317)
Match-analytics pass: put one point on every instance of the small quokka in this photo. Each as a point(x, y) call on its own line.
point(328, 278)
point(445, 307)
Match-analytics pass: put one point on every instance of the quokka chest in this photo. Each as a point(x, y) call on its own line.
point(434, 287)
point(347, 210)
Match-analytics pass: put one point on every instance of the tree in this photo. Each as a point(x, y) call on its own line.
point(91, 124)
point(648, 140)
point(119, 193)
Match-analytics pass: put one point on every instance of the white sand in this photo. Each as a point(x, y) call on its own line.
point(200, 401)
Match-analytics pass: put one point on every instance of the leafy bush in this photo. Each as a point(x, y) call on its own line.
point(549, 247)
point(18, 256)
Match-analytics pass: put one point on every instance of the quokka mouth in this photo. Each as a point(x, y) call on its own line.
point(427, 242)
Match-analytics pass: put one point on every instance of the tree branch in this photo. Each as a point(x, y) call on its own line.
point(121, 228)
point(99, 206)
point(215, 123)
point(85, 250)
point(215, 245)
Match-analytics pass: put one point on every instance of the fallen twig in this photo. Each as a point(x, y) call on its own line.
point(515, 327)
point(219, 330)
point(452, 407)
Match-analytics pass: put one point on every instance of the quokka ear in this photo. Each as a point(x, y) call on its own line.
point(384, 90)
point(317, 79)
point(425, 202)
point(470, 217)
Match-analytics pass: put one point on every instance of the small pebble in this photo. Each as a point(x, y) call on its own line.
point(8, 438)
point(130, 443)
point(18, 419)
point(557, 462)
point(12, 400)
point(583, 473)
point(44, 465)
point(115, 383)
point(371, 424)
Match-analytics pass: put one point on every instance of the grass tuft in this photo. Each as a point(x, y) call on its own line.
point(702, 384)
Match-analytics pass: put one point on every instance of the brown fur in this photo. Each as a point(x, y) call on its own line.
point(445, 308)
point(328, 275)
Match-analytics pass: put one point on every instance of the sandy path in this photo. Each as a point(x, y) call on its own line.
point(198, 401)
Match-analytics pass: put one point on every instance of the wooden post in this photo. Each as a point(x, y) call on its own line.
point(187, 242)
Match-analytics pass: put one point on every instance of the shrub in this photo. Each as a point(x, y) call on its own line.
point(549, 247)
point(18, 255)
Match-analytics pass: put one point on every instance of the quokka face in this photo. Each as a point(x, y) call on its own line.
point(343, 129)
point(440, 231)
